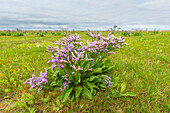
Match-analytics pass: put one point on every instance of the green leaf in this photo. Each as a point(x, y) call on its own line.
point(94, 92)
point(71, 96)
point(115, 82)
point(90, 86)
point(91, 78)
point(109, 68)
point(102, 76)
point(98, 64)
point(54, 83)
point(86, 93)
point(86, 65)
point(95, 86)
point(66, 93)
point(131, 94)
point(98, 70)
point(78, 90)
point(104, 67)
point(123, 87)
point(79, 80)
point(103, 85)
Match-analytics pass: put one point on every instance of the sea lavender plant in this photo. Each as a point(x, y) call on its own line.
point(79, 68)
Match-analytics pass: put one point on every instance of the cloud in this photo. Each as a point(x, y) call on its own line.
point(82, 14)
point(158, 5)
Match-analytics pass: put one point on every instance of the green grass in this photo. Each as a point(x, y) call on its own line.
point(143, 66)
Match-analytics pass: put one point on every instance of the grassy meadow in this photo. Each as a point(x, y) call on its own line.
point(143, 66)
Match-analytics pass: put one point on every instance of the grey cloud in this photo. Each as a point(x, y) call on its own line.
point(82, 14)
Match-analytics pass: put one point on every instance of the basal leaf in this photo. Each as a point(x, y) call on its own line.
point(55, 83)
point(94, 86)
point(78, 90)
point(98, 70)
point(109, 68)
point(66, 93)
point(90, 86)
point(91, 78)
point(71, 96)
point(86, 93)
point(103, 85)
point(94, 92)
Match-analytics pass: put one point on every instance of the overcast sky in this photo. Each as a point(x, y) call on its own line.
point(84, 14)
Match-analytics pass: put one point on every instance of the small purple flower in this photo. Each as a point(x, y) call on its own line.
point(90, 69)
point(63, 61)
point(110, 83)
point(72, 73)
point(79, 68)
point(108, 77)
point(39, 89)
point(63, 55)
point(102, 50)
point(49, 61)
point(53, 66)
point(87, 58)
point(118, 46)
point(111, 53)
point(125, 44)
point(107, 80)
point(77, 58)
point(100, 34)
point(61, 89)
point(73, 67)
point(106, 50)
point(65, 84)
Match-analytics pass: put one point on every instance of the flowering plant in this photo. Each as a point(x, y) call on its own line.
point(79, 69)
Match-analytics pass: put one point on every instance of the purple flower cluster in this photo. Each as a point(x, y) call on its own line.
point(108, 81)
point(68, 52)
point(38, 82)
point(65, 84)
point(104, 44)
point(66, 81)
point(95, 35)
